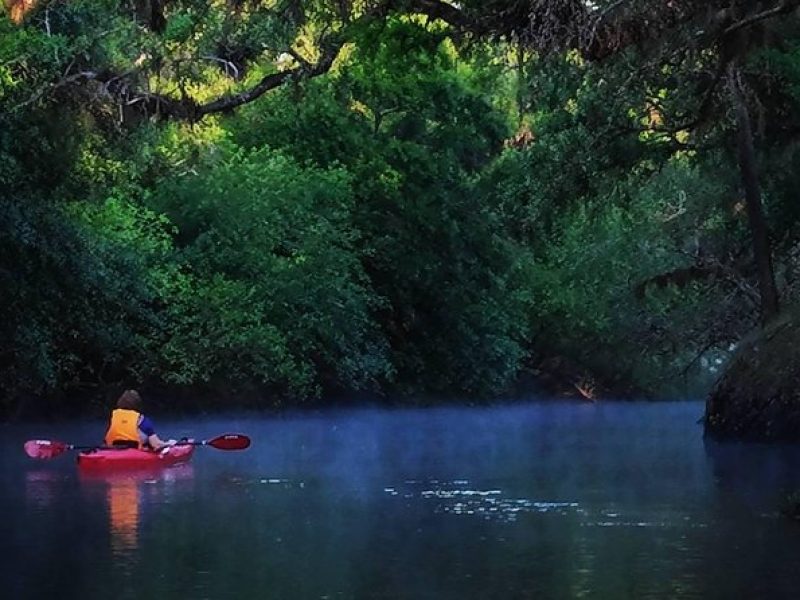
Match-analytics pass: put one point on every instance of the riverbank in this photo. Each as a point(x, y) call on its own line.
point(758, 397)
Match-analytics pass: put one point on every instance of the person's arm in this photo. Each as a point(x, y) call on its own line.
point(147, 429)
point(156, 443)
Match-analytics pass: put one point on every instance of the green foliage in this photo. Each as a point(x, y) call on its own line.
point(269, 244)
point(593, 301)
point(367, 229)
point(76, 305)
point(412, 127)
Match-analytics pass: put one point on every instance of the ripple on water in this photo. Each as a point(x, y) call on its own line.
point(458, 497)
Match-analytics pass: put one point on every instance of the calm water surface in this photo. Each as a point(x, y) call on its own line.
point(528, 501)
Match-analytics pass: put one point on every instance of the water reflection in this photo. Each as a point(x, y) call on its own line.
point(124, 494)
point(547, 501)
point(41, 487)
point(756, 476)
point(123, 512)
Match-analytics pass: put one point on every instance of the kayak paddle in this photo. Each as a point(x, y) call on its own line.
point(46, 449)
point(227, 441)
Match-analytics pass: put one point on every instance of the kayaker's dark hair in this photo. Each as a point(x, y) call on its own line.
point(130, 399)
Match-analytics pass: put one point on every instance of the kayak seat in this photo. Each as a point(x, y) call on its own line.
point(124, 444)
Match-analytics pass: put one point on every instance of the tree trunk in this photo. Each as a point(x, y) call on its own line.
point(752, 194)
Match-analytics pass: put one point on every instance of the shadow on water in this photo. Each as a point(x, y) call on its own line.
point(754, 545)
point(758, 476)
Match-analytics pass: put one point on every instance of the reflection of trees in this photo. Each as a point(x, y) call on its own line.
point(754, 475)
point(751, 551)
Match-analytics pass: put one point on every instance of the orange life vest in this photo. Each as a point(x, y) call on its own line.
point(124, 427)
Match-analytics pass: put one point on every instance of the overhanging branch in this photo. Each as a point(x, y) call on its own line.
point(784, 7)
point(188, 109)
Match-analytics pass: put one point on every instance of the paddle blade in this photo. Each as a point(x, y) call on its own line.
point(230, 441)
point(44, 449)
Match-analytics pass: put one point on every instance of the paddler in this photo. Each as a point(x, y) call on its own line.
point(129, 427)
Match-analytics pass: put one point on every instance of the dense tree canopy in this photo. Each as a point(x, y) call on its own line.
point(283, 200)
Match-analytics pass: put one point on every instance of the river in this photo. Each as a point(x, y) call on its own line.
point(540, 500)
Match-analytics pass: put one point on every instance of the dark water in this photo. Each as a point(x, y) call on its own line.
point(537, 501)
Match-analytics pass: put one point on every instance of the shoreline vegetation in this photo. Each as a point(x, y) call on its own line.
point(185, 404)
point(298, 202)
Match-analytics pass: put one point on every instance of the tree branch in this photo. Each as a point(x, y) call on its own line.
point(81, 76)
point(226, 103)
point(436, 9)
point(784, 7)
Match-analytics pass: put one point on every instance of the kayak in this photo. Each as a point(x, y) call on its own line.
point(112, 459)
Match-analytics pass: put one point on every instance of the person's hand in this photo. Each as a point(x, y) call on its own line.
point(170, 442)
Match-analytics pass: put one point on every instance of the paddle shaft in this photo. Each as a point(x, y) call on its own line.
point(44, 449)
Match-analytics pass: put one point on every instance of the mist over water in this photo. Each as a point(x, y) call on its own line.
point(542, 500)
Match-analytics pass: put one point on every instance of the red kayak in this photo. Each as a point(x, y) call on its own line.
point(109, 459)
